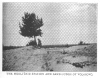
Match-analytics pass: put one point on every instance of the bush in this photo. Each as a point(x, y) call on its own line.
point(32, 43)
point(81, 43)
point(67, 45)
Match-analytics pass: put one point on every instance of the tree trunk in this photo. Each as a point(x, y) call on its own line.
point(35, 40)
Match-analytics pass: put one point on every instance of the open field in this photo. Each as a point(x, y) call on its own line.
point(80, 58)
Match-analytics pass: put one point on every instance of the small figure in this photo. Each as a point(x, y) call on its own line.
point(39, 43)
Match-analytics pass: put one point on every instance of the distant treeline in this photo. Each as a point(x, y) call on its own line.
point(44, 46)
point(67, 45)
point(10, 47)
point(52, 46)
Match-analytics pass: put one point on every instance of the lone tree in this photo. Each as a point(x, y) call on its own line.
point(30, 26)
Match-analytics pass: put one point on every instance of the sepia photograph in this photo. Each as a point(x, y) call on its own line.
point(49, 36)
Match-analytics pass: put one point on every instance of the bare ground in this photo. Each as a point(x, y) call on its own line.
point(82, 58)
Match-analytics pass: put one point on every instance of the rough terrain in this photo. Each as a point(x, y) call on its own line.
point(81, 58)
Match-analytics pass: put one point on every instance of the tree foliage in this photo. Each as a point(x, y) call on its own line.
point(30, 26)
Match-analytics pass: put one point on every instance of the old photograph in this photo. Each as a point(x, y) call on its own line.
point(49, 36)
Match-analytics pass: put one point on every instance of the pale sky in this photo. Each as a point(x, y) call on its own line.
point(63, 22)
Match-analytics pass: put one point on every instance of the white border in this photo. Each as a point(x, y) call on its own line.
point(95, 74)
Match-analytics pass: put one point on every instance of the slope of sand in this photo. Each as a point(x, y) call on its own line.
point(72, 59)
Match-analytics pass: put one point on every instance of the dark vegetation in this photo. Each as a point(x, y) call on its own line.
point(30, 27)
point(32, 42)
point(63, 45)
point(83, 64)
point(11, 47)
point(39, 44)
point(82, 43)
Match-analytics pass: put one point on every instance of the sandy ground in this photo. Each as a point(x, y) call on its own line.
point(82, 58)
